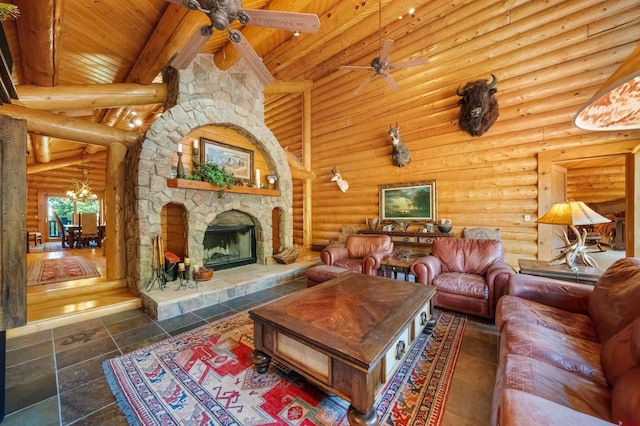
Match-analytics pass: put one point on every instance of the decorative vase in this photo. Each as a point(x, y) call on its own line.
point(373, 223)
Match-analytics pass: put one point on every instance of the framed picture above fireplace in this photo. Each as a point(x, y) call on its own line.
point(238, 161)
point(415, 201)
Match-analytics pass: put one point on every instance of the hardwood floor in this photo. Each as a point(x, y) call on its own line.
point(67, 302)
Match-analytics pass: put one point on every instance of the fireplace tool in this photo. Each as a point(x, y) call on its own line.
point(157, 265)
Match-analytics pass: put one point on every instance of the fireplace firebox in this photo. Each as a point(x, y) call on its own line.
point(228, 246)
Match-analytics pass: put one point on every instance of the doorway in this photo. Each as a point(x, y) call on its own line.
point(546, 160)
point(68, 210)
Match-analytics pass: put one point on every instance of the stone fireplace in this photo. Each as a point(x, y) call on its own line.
point(201, 96)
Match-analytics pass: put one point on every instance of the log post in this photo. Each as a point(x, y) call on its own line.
point(307, 222)
point(13, 223)
point(114, 212)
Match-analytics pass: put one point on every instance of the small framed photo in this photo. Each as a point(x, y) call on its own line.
point(416, 201)
point(238, 161)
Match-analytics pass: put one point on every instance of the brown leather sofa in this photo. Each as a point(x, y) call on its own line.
point(570, 353)
point(470, 275)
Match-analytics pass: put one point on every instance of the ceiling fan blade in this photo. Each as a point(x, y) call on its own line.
point(411, 63)
point(254, 61)
point(390, 81)
point(364, 83)
point(385, 51)
point(292, 21)
point(356, 67)
point(184, 57)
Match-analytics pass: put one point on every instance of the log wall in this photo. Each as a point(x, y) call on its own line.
point(549, 58)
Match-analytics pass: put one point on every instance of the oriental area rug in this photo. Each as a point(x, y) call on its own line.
point(206, 377)
point(47, 271)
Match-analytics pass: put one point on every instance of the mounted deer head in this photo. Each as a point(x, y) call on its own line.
point(342, 184)
point(400, 154)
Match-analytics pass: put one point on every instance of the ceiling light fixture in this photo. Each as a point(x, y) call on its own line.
point(135, 121)
point(296, 33)
point(81, 190)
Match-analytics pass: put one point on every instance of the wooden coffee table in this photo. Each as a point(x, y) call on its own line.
point(347, 335)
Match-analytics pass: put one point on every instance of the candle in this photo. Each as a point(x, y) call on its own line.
point(181, 266)
point(179, 147)
point(258, 177)
point(187, 261)
point(195, 143)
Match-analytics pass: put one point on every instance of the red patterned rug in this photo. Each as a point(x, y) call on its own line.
point(206, 377)
point(47, 271)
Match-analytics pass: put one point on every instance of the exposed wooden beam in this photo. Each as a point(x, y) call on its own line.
point(41, 148)
point(172, 33)
point(298, 170)
point(39, 35)
point(92, 96)
point(73, 129)
point(58, 164)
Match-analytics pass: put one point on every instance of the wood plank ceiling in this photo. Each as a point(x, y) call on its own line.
point(75, 42)
point(550, 57)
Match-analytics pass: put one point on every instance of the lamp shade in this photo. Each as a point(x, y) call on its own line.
point(572, 213)
point(616, 106)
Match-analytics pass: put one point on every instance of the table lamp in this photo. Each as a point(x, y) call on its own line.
point(572, 213)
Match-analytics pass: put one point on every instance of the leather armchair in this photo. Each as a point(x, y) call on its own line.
point(361, 253)
point(470, 275)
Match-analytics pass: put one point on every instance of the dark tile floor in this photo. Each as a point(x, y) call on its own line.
point(55, 377)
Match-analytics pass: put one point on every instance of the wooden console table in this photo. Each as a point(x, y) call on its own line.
point(541, 268)
point(420, 241)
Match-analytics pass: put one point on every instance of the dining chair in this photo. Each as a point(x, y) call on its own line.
point(89, 231)
point(65, 238)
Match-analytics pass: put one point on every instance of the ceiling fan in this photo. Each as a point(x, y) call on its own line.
point(223, 13)
point(382, 64)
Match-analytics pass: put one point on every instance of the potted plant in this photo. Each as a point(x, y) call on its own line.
point(214, 174)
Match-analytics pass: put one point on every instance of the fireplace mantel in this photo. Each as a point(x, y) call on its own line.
point(206, 186)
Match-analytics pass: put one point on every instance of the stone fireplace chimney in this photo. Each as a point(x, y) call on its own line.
point(201, 96)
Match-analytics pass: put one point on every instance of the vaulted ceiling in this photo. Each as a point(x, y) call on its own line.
point(57, 43)
point(66, 43)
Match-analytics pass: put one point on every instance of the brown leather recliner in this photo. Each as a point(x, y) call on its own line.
point(470, 275)
point(361, 253)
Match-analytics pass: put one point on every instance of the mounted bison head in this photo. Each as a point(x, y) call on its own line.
point(478, 106)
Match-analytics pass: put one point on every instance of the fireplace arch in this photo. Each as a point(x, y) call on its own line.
point(209, 103)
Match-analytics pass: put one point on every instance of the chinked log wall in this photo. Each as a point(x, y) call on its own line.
point(549, 57)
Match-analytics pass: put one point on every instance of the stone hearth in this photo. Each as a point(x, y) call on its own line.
point(200, 96)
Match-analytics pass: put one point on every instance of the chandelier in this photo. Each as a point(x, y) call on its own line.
point(81, 190)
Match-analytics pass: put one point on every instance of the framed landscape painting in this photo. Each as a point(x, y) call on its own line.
point(238, 161)
point(416, 201)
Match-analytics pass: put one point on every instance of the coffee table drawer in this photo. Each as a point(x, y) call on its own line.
point(396, 353)
point(420, 321)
